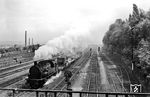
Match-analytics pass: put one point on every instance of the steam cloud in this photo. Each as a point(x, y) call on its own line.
point(77, 37)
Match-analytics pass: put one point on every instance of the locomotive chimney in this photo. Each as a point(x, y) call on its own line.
point(35, 62)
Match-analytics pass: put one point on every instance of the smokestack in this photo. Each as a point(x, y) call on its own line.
point(29, 41)
point(25, 38)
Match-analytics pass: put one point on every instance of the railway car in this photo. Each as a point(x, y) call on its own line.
point(64, 62)
point(40, 72)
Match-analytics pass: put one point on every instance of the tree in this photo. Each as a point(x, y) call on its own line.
point(123, 36)
point(135, 17)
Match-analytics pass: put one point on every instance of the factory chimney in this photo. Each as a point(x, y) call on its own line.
point(25, 38)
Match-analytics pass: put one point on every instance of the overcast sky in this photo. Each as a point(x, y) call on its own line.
point(46, 19)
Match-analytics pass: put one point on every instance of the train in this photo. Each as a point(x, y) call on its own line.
point(42, 70)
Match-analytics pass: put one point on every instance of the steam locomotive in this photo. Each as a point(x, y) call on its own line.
point(42, 70)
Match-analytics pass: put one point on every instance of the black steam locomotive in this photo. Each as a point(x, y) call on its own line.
point(42, 70)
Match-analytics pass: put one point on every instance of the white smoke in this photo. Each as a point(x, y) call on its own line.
point(77, 37)
point(53, 78)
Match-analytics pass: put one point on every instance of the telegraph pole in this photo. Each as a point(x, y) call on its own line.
point(132, 48)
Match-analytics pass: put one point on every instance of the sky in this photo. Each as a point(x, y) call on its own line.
point(48, 19)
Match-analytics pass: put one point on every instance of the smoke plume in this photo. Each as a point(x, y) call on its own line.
point(76, 38)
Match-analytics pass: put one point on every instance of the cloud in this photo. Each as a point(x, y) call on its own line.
point(46, 19)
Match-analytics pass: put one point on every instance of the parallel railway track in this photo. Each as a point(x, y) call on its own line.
point(12, 81)
point(5, 69)
point(75, 72)
point(12, 74)
point(61, 84)
point(124, 80)
point(11, 62)
point(15, 70)
point(94, 77)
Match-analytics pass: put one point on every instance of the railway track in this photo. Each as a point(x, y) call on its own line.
point(12, 74)
point(61, 84)
point(75, 72)
point(5, 83)
point(12, 62)
point(125, 75)
point(115, 79)
point(93, 77)
point(117, 83)
point(5, 69)
point(15, 70)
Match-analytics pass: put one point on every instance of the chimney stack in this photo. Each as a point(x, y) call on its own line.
point(25, 38)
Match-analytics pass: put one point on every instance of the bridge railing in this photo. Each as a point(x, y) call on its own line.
point(57, 93)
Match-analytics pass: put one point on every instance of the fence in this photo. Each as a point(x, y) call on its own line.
point(55, 93)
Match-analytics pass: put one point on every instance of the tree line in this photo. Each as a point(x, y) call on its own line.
point(130, 38)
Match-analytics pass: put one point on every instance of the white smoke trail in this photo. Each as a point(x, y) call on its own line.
point(77, 36)
point(53, 78)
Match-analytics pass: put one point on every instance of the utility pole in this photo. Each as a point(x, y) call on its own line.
point(132, 49)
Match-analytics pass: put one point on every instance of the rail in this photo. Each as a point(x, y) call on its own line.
point(70, 93)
